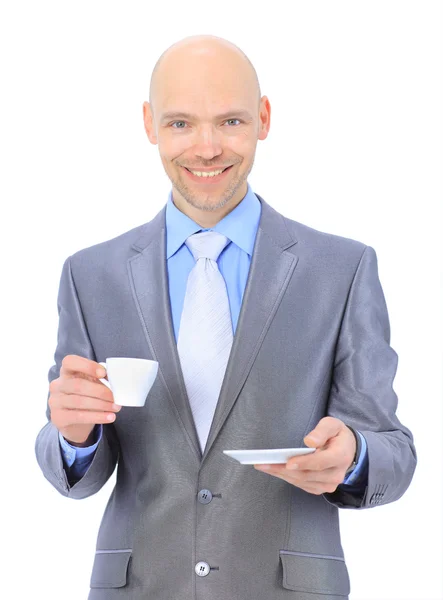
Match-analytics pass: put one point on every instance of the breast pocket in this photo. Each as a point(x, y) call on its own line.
point(110, 568)
point(314, 573)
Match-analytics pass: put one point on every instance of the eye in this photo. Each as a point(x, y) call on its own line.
point(174, 122)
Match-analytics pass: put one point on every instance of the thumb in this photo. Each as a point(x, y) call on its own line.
point(327, 428)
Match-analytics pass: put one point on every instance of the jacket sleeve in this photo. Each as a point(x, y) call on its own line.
point(73, 338)
point(362, 394)
point(78, 459)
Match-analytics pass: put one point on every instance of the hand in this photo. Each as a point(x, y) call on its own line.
point(323, 470)
point(78, 401)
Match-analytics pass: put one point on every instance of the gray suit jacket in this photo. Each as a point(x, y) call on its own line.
point(312, 340)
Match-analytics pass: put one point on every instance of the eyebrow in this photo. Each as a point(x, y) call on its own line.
point(182, 115)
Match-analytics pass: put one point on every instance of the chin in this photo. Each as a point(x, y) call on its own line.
point(207, 203)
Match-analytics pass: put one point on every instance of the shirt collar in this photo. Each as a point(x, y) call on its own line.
point(240, 225)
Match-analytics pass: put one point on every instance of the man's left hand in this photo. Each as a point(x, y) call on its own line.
point(323, 470)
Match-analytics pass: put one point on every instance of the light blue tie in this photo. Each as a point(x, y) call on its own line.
point(205, 335)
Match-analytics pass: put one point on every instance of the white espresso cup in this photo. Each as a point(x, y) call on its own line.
point(129, 379)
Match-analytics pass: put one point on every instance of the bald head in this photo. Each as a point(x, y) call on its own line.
point(204, 55)
point(206, 113)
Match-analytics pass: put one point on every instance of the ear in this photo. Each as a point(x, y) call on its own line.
point(264, 118)
point(149, 123)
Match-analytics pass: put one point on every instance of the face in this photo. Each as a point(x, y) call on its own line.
point(205, 115)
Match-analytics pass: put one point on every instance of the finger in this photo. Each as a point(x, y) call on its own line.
point(72, 364)
point(317, 461)
point(319, 489)
point(85, 387)
point(73, 402)
point(327, 483)
point(331, 475)
point(83, 417)
point(327, 428)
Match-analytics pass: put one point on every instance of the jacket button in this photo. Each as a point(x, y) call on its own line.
point(204, 496)
point(202, 569)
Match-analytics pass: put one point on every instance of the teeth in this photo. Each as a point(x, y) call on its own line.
point(210, 174)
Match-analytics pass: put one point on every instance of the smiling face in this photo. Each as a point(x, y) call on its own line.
point(206, 114)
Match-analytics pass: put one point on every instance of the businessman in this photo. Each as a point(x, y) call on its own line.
point(268, 334)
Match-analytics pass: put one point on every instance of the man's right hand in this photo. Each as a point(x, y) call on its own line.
point(79, 401)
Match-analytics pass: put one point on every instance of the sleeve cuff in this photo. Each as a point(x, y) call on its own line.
point(73, 454)
point(353, 477)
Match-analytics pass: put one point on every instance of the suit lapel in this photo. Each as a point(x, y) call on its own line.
point(149, 281)
point(269, 274)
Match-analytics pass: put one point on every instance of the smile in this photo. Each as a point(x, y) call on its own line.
point(207, 178)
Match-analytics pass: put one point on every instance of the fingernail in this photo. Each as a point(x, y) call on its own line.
point(292, 466)
point(313, 439)
point(100, 372)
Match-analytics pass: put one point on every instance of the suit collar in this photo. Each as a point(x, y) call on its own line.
point(271, 222)
point(239, 226)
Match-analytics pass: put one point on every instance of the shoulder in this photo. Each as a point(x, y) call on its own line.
point(313, 242)
point(117, 248)
point(324, 247)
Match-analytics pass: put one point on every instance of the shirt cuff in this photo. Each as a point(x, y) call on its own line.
point(353, 477)
point(75, 453)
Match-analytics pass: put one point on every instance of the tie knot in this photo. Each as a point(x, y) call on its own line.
point(207, 244)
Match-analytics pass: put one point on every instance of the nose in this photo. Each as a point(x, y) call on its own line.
point(208, 142)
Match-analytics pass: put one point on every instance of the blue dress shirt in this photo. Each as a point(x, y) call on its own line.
point(240, 226)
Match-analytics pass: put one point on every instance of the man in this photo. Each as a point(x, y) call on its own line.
point(268, 334)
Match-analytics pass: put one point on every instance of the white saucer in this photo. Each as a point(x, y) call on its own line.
point(272, 456)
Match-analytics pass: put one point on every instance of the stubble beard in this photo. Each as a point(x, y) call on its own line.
point(210, 203)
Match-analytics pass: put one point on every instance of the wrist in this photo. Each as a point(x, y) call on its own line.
point(357, 450)
point(88, 442)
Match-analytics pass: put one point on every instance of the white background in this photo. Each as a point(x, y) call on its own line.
point(354, 149)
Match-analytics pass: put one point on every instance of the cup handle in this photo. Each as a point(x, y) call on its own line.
point(105, 381)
